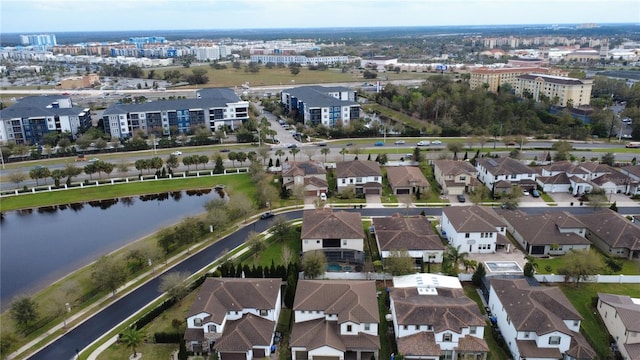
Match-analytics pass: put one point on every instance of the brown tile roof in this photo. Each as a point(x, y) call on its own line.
point(615, 177)
point(303, 168)
point(504, 166)
point(194, 335)
point(595, 166)
point(564, 166)
point(318, 333)
point(357, 168)
point(632, 169)
point(219, 295)
point(540, 309)
point(612, 228)
point(351, 300)
point(628, 311)
point(419, 344)
point(633, 350)
point(473, 218)
point(327, 224)
point(528, 348)
point(560, 178)
point(472, 344)
point(410, 233)
point(450, 309)
point(316, 182)
point(580, 348)
point(406, 176)
point(245, 333)
point(545, 229)
point(454, 167)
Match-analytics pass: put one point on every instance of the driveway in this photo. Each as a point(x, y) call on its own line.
point(373, 200)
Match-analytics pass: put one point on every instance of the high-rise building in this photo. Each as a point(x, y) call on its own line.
point(39, 40)
point(561, 90)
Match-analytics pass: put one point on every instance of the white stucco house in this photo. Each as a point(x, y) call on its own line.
point(491, 171)
point(621, 316)
point(475, 229)
point(364, 176)
point(339, 235)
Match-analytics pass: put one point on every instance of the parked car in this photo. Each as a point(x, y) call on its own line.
point(399, 142)
point(267, 215)
point(461, 198)
point(323, 197)
point(535, 193)
point(525, 192)
point(379, 143)
point(423, 143)
point(176, 153)
point(322, 144)
point(436, 142)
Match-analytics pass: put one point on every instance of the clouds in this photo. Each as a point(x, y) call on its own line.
point(98, 15)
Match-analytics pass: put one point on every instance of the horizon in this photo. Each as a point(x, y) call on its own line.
point(54, 16)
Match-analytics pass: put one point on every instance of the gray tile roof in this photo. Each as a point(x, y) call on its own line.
point(545, 229)
point(410, 233)
point(504, 166)
point(419, 344)
point(219, 95)
point(303, 168)
point(454, 167)
point(357, 168)
point(540, 309)
point(219, 295)
point(615, 230)
point(245, 333)
point(473, 218)
point(628, 311)
point(406, 176)
point(162, 105)
point(36, 106)
point(327, 224)
point(316, 96)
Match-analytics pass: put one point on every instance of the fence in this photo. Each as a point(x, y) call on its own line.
point(114, 181)
point(603, 279)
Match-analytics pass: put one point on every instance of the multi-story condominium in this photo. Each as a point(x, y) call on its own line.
point(228, 309)
point(335, 320)
point(324, 105)
point(433, 319)
point(299, 59)
point(31, 118)
point(207, 53)
point(474, 229)
point(214, 108)
point(537, 322)
point(141, 41)
point(493, 78)
point(563, 91)
point(46, 40)
point(621, 316)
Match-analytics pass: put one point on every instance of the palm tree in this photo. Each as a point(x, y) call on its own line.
point(132, 337)
point(531, 266)
point(455, 257)
point(343, 152)
point(293, 152)
point(279, 154)
point(324, 152)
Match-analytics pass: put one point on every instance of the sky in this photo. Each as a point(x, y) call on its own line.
point(36, 16)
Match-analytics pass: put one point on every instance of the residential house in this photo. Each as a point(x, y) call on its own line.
point(405, 180)
point(455, 177)
point(612, 233)
point(621, 316)
point(411, 233)
point(565, 176)
point(315, 105)
point(537, 322)
point(310, 175)
point(214, 108)
point(474, 229)
point(235, 317)
point(633, 172)
point(30, 119)
point(493, 170)
point(433, 319)
point(552, 233)
point(335, 320)
point(364, 176)
point(339, 235)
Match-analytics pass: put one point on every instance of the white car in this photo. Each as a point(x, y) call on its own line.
point(436, 142)
point(176, 153)
point(399, 142)
point(525, 193)
point(423, 143)
point(323, 197)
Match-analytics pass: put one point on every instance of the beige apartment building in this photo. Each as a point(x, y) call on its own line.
point(498, 76)
point(79, 82)
point(564, 89)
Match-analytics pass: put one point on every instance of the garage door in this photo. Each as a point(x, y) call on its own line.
point(310, 193)
point(326, 358)
point(258, 353)
point(372, 191)
point(403, 191)
point(233, 356)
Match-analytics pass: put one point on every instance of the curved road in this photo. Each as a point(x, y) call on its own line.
point(109, 317)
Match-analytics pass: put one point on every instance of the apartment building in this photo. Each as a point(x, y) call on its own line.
point(495, 77)
point(79, 82)
point(563, 91)
point(299, 59)
point(214, 108)
point(324, 105)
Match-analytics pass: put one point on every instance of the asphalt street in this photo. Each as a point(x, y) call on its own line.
point(93, 328)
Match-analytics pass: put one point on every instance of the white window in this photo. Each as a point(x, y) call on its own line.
point(554, 340)
point(446, 337)
point(197, 322)
point(264, 312)
point(473, 330)
point(367, 327)
point(212, 328)
point(349, 328)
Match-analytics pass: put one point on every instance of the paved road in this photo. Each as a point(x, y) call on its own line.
point(87, 332)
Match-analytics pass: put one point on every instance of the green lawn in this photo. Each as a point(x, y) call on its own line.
point(551, 266)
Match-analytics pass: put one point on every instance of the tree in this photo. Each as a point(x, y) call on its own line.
point(108, 274)
point(132, 337)
point(7, 341)
point(175, 285)
point(255, 244)
point(17, 177)
point(614, 206)
point(597, 200)
point(325, 151)
point(578, 265)
point(530, 267)
point(480, 273)
point(279, 153)
point(63, 299)
point(71, 171)
point(293, 152)
point(172, 162)
point(314, 264)
point(454, 258)
point(562, 149)
point(240, 207)
point(295, 71)
point(343, 152)
point(399, 263)
point(280, 227)
point(608, 159)
point(24, 311)
point(219, 167)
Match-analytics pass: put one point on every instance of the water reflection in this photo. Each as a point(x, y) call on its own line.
point(55, 240)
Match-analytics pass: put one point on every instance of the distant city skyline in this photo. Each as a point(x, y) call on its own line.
point(32, 16)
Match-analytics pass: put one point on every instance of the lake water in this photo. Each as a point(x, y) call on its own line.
point(39, 246)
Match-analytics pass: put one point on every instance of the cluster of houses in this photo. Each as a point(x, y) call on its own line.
point(429, 316)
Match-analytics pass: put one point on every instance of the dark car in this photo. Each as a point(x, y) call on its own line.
point(461, 198)
point(535, 193)
point(266, 215)
point(225, 150)
point(292, 146)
